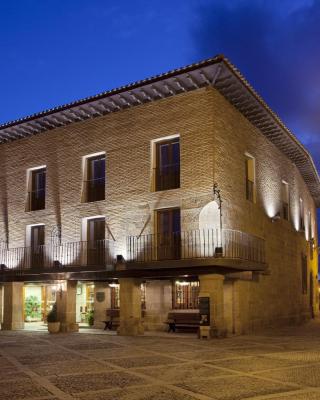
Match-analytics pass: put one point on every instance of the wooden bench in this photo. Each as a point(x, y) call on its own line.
point(113, 318)
point(180, 319)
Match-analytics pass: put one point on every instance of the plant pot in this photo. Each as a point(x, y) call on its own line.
point(54, 327)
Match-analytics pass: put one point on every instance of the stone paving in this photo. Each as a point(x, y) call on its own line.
point(280, 365)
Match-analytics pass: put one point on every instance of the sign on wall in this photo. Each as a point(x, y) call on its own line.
point(100, 296)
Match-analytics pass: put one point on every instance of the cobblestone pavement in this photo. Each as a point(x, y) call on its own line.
point(282, 365)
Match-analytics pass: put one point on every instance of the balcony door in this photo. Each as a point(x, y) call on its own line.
point(37, 246)
point(168, 234)
point(96, 241)
point(37, 194)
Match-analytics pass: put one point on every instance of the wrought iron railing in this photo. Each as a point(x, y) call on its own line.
point(96, 253)
point(196, 244)
point(167, 177)
point(94, 189)
point(36, 200)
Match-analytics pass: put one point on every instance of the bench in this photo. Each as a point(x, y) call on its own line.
point(113, 318)
point(182, 320)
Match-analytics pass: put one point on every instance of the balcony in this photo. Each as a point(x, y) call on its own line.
point(36, 200)
point(94, 189)
point(230, 248)
point(78, 256)
point(167, 177)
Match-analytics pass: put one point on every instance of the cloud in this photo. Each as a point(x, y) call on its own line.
point(276, 46)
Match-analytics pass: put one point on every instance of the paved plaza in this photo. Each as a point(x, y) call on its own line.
point(279, 365)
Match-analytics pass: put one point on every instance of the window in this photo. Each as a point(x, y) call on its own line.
point(304, 274)
point(301, 216)
point(168, 238)
point(115, 295)
point(185, 295)
point(167, 171)
point(94, 182)
point(310, 235)
point(36, 189)
point(285, 200)
point(250, 179)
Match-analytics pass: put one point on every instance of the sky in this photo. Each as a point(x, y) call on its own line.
point(53, 52)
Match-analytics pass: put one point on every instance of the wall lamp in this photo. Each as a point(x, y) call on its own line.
point(276, 217)
point(3, 267)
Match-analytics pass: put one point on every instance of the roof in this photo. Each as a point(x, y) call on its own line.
point(217, 72)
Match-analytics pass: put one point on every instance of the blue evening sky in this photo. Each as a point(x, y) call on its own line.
point(54, 51)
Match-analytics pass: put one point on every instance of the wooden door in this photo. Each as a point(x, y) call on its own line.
point(37, 246)
point(96, 241)
point(168, 234)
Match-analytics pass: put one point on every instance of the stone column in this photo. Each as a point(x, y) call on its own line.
point(130, 307)
point(158, 304)
point(13, 306)
point(212, 286)
point(66, 307)
point(241, 309)
point(1, 304)
point(101, 303)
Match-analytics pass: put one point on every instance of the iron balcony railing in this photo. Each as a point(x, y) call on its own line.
point(96, 253)
point(36, 200)
point(167, 177)
point(196, 244)
point(94, 189)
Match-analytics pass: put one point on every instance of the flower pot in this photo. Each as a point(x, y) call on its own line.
point(53, 327)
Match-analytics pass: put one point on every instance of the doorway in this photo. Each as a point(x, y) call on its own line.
point(168, 234)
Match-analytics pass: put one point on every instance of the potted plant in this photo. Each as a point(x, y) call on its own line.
point(32, 309)
point(52, 319)
point(90, 317)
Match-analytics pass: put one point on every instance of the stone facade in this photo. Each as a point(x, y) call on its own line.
point(214, 138)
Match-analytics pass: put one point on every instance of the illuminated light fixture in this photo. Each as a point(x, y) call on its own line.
point(182, 283)
point(276, 217)
point(114, 285)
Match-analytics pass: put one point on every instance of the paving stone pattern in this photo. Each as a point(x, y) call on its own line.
point(280, 365)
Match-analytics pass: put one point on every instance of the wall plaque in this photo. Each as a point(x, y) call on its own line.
point(100, 296)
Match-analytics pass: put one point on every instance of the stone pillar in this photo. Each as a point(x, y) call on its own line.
point(158, 304)
point(66, 307)
point(241, 311)
point(1, 304)
point(130, 307)
point(212, 286)
point(101, 303)
point(13, 306)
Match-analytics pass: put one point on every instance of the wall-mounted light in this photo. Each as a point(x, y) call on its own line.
point(114, 285)
point(3, 267)
point(120, 258)
point(57, 264)
point(182, 283)
point(276, 217)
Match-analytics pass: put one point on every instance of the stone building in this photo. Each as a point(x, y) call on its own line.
point(148, 197)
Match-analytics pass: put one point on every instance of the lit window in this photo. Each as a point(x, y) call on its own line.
point(250, 179)
point(185, 295)
point(36, 199)
point(285, 200)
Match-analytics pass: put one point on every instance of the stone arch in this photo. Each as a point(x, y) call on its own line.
point(209, 217)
